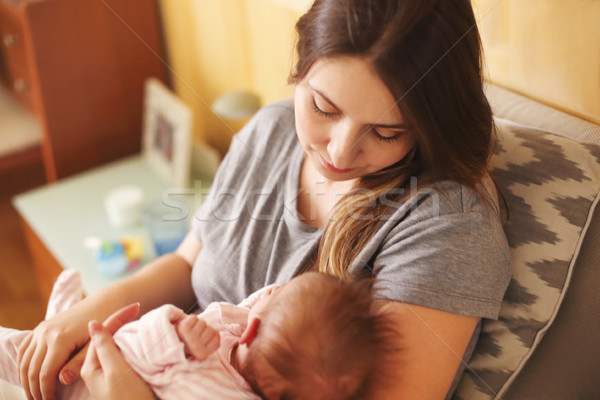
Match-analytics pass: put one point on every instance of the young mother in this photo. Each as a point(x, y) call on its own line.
point(379, 167)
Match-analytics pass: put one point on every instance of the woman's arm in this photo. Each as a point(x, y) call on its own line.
point(431, 343)
point(165, 280)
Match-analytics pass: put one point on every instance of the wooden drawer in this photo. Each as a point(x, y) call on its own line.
point(13, 43)
point(20, 85)
point(14, 59)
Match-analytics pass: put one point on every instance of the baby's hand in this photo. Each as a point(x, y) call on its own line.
point(199, 339)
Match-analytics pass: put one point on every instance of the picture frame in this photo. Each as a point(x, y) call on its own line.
point(166, 139)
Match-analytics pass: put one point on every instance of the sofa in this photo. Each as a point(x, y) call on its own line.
point(546, 344)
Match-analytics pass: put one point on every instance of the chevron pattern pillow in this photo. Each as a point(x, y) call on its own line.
point(552, 186)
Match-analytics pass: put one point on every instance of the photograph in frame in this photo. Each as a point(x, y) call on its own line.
point(166, 141)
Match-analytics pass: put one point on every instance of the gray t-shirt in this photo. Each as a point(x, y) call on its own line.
point(441, 249)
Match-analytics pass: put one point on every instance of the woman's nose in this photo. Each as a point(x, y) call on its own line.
point(343, 147)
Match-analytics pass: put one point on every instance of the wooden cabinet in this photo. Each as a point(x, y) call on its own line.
point(80, 67)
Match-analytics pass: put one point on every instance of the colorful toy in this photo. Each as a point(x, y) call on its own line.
point(115, 257)
point(134, 251)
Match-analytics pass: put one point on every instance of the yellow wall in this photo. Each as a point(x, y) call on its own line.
point(215, 46)
point(548, 50)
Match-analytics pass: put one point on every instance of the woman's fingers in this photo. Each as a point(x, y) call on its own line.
point(106, 373)
point(49, 370)
point(108, 354)
point(21, 352)
point(23, 347)
point(121, 317)
point(91, 370)
point(26, 353)
point(39, 363)
point(71, 371)
point(91, 359)
point(43, 354)
point(104, 365)
point(105, 354)
point(33, 373)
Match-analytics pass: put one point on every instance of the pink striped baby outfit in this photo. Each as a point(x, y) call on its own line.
point(153, 349)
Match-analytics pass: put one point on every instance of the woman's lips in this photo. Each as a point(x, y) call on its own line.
point(334, 169)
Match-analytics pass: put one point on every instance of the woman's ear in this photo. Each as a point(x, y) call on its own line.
point(250, 332)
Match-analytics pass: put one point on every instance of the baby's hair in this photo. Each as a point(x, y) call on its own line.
point(324, 340)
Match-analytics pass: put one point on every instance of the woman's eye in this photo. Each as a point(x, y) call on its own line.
point(388, 137)
point(319, 111)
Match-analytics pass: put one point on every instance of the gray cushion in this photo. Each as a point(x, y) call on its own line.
point(551, 185)
point(566, 364)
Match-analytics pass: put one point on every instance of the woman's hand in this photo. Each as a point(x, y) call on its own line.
point(44, 352)
point(42, 356)
point(106, 373)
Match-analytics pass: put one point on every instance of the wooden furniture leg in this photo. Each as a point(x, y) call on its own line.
point(45, 266)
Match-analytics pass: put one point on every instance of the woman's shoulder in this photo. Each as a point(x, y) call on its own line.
point(277, 113)
point(445, 249)
point(446, 198)
point(272, 124)
point(270, 132)
point(265, 142)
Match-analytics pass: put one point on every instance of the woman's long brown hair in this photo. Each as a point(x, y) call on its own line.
point(428, 53)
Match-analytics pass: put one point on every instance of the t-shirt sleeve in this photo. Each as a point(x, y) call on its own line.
point(457, 262)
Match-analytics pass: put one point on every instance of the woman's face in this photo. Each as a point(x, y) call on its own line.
point(347, 120)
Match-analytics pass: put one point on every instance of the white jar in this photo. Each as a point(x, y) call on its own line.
point(124, 205)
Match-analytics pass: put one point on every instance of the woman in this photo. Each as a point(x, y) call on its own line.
point(379, 168)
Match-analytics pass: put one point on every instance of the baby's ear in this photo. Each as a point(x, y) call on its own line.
point(250, 332)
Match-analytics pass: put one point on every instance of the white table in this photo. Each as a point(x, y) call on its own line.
point(63, 214)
